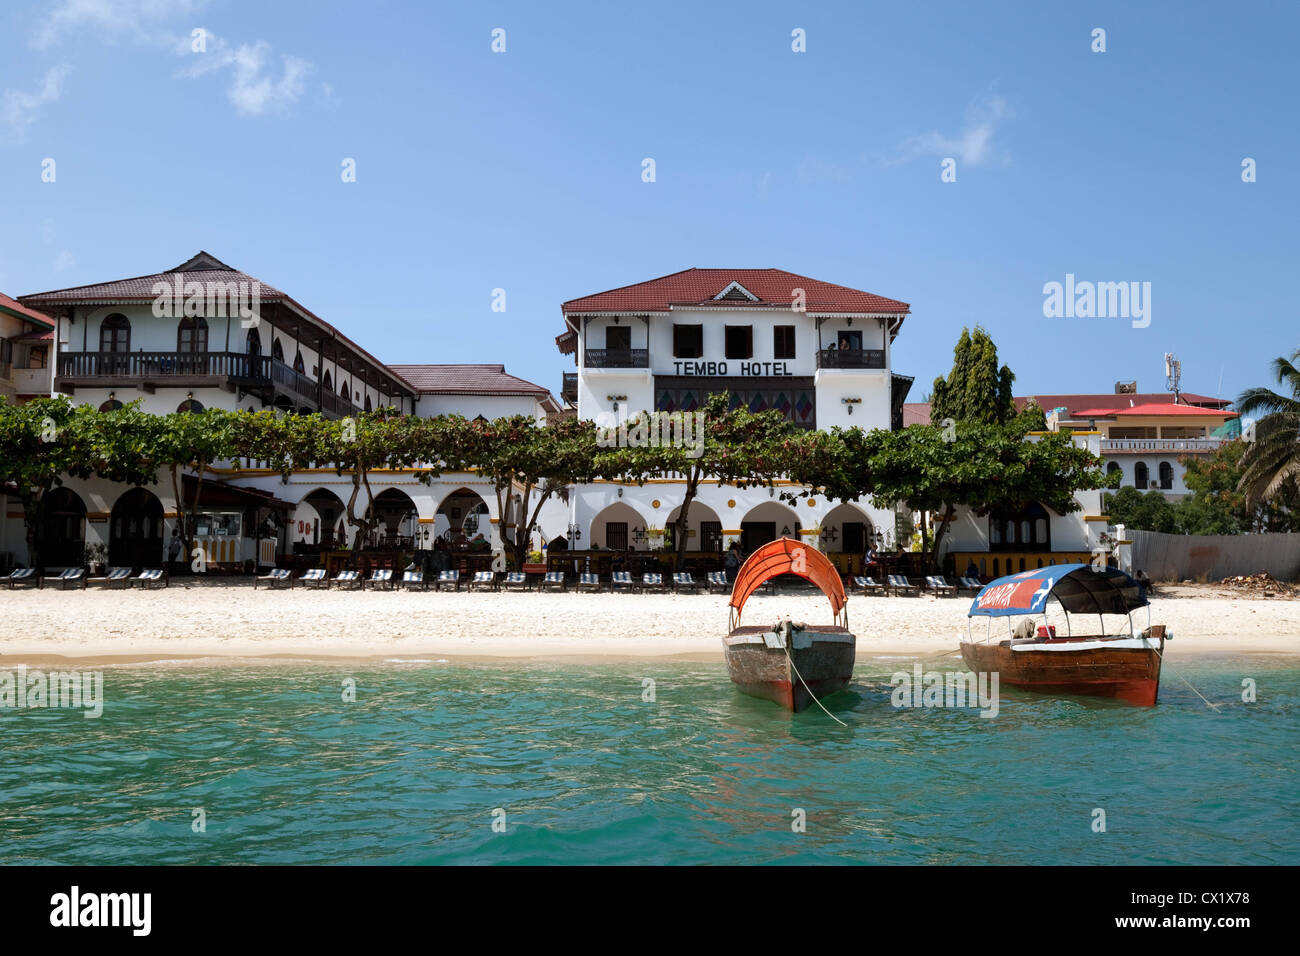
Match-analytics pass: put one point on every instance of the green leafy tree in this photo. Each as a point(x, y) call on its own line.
point(1271, 463)
point(190, 442)
point(1149, 511)
point(976, 391)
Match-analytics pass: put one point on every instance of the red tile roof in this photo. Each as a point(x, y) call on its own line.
point(916, 413)
point(1168, 408)
point(18, 310)
point(698, 287)
point(466, 380)
point(1105, 400)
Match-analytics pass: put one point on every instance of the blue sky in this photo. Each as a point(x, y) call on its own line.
point(522, 170)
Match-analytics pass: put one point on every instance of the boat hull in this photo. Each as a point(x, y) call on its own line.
point(1129, 672)
point(822, 655)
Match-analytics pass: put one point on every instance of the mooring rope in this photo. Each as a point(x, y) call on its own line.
point(809, 689)
point(1180, 676)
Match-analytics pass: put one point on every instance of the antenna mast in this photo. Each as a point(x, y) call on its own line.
point(1173, 376)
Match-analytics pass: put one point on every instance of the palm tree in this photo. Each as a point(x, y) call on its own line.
point(1271, 463)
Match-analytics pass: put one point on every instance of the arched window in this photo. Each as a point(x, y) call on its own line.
point(277, 350)
point(1026, 530)
point(297, 364)
point(253, 342)
point(192, 335)
point(327, 381)
point(190, 405)
point(111, 405)
point(368, 408)
point(115, 334)
point(344, 390)
point(1113, 468)
point(1166, 475)
point(1141, 476)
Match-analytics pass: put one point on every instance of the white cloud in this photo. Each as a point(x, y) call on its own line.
point(64, 261)
point(256, 87)
point(973, 145)
point(111, 19)
point(19, 108)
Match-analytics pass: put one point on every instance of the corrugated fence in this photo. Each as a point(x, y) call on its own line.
point(1167, 557)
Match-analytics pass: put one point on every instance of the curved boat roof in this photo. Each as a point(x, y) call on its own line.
point(1080, 588)
point(788, 556)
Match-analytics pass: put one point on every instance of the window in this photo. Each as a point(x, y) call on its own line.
point(739, 341)
point(1113, 468)
point(190, 405)
point(1025, 530)
point(783, 342)
point(298, 365)
point(368, 407)
point(253, 342)
point(192, 335)
point(277, 350)
point(111, 405)
point(688, 341)
point(1166, 475)
point(618, 338)
point(115, 334)
point(616, 533)
point(849, 340)
point(710, 535)
point(1142, 476)
point(328, 380)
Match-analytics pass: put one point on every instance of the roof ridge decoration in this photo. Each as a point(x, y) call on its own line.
point(735, 290)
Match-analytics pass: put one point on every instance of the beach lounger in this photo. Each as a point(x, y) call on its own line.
point(76, 576)
point(589, 582)
point(969, 585)
point(151, 576)
point(23, 577)
point(685, 581)
point(451, 578)
point(483, 579)
point(515, 581)
point(652, 581)
point(553, 579)
point(718, 582)
point(622, 581)
point(940, 586)
point(115, 576)
point(314, 578)
point(412, 579)
point(868, 585)
point(275, 577)
point(898, 584)
point(379, 578)
point(347, 579)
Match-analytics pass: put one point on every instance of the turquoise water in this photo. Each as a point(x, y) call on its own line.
point(588, 772)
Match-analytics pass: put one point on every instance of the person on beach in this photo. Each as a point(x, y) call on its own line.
point(732, 561)
point(971, 570)
point(173, 552)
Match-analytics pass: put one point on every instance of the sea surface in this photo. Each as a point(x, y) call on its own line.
point(529, 763)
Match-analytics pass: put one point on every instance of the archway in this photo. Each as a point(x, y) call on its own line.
point(319, 519)
point(136, 530)
point(703, 529)
point(846, 529)
point(61, 538)
point(767, 522)
point(616, 527)
point(398, 520)
point(462, 515)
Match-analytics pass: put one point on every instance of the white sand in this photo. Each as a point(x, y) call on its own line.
point(230, 620)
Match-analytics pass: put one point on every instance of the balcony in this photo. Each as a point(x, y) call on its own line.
point(30, 381)
point(851, 358)
point(569, 388)
point(616, 358)
point(337, 405)
point(286, 377)
point(1139, 446)
point(150, 369)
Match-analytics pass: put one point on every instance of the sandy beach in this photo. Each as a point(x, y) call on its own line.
point(225, 620)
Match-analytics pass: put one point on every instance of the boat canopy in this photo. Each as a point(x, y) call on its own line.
point(1080, 588)
point(787, 556)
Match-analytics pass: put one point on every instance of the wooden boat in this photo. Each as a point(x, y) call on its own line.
point(791, 663)
point(1122, 666)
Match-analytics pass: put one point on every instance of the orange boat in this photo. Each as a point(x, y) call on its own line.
point(791, 663)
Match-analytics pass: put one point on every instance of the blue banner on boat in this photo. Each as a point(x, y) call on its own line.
point(1080, 588)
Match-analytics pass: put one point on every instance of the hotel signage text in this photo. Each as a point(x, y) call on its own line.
point(720, 368)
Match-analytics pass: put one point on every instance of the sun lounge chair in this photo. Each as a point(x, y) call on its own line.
point(898, 584)
point(868, 585)
point(23, 577)
point(447, 578)
point(348, 579)
point(652, 581)
point(969, 585)
point(685, 581)
point(276, 577)
point(379, 578)
point(69, 576)
point(515, 581)
point(940, 586)
point(552, 580)
point(114, 576)
point(718, 582)
point(314, 578)
point(588, 582)
point(412, 579)
point(622, 581)
point(149, 577)
point(483, 579)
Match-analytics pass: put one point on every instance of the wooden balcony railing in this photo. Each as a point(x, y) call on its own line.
point(851, 358)
point(617, 358)
point(149, 366)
